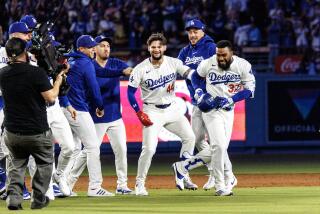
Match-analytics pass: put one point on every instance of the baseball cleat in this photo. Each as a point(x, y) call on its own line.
point(179, 175)
point(231, 184)
point(188, 184)
point(124, 191)
point(210, 183)
point(63, 185)
point(224, 193)
point(99, 192)
point(141, 190)
point(26, 193)
point(56, 191)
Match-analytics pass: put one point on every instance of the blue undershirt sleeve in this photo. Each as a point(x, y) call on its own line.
point(241, 95)
point(197, 81)
point(64, 101)
point(132, 99)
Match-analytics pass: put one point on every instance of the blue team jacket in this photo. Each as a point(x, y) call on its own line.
point(192, 55)
point(84, 86)
point(109, 81)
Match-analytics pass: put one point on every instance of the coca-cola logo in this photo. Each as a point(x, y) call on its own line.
point(290, 65)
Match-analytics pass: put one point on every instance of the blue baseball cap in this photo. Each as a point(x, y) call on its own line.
point(19, 27)
point(86, 41)
point(194, 23)
point(29, 20)
point(102, 38)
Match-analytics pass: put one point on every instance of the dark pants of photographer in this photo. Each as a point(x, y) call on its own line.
point(20, 147)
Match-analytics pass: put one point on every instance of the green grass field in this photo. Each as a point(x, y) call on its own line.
point(246, 200)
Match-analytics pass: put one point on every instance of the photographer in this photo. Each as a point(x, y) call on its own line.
point(26, 89)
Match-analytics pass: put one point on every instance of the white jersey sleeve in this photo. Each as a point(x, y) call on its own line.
point(181, 68)
point(202, 70)
point(135, 77)
point(3, 57)
point(247, 77)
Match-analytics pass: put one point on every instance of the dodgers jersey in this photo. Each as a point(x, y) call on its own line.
point(157, 83)
point(226, 83)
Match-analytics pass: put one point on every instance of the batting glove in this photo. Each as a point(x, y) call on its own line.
point(144, 118)
point(198, 95)
point(225, 103)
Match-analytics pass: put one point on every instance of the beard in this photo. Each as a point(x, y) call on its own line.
point(226, 65)
point(104, 57)
point(156, 58)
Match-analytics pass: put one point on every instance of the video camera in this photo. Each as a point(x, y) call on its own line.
point(49, 56)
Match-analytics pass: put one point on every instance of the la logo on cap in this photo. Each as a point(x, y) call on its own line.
point(192, 23)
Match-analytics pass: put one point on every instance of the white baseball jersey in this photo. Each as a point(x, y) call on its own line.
point(157, 83)
point(3, 57)
point(226, 83)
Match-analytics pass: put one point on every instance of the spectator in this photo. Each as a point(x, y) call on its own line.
point(273, 41)
point(301, 37)
point(254, 35)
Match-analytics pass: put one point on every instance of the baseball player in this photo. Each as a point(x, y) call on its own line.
point(108, 72)
point(84, 86)
point(229, 79)
point(156, 77)
point(201, 47)
point(17, 30)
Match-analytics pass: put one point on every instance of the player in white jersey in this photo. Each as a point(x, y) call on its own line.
point(229, 79)
point(156, 77)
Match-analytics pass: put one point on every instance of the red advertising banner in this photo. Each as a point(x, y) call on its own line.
point(286, 64)
point(134, 127)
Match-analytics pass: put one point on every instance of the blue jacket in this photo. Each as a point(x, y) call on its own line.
point(109, 81)
point(192, 55)
point(84, 86)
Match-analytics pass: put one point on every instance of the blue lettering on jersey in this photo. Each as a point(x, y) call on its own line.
point(161, 82)
point(4, 60)
point(193, 60)
point(225, 78)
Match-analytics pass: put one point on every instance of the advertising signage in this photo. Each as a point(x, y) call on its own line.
point(293, 110)
point(134, 127)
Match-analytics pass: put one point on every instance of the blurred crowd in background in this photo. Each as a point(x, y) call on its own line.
point(284, 26)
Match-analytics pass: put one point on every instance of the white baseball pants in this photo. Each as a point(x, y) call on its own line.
point(204, 151)
point(219, 125)
point(174, 121)
point(83, 128)
point(117, 135)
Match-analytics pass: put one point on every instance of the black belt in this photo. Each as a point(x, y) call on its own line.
point(160, 106)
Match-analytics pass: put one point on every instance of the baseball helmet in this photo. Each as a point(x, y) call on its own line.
point(15, 47)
